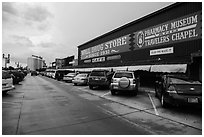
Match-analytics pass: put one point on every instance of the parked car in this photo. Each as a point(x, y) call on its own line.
point(24, 72)
point(60, 74)
point(34, 73)
point(50, 73)
point(81, 79)
point(99, 78)
point(69, 77)
point(178, 90)
point(42, 73)
point(7, 81)
point(17, 76)
point(124, 81)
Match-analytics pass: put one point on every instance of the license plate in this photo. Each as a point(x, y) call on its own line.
point(115, 87)
point(193, 100)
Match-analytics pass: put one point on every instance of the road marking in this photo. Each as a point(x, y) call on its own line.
point(11, 103)
point(155, 110)
point(105, 94)
point(125, 119)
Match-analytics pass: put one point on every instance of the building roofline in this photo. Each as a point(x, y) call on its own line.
point(133, 22)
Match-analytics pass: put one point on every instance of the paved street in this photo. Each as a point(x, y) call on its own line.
point(40, 105)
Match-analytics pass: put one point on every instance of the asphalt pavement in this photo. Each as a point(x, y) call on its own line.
point(43, 106)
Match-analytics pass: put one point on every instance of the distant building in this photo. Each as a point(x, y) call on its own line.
point(74, 62)
point(61, 63)
point(35, 63)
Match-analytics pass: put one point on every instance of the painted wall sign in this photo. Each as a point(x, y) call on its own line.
point(178, 30)
point(162, 51)
point(100, 59)
point(114, 57)
point(87, 61)
point(115, 46)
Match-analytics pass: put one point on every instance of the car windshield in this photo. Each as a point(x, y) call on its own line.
point(97, 73)
point(181, 81)
point(81, 75)
point(120, 75)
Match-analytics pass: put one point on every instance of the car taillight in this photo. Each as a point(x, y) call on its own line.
point(134, 81)
point(171, 89)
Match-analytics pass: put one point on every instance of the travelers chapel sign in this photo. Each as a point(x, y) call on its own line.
point(181, 29)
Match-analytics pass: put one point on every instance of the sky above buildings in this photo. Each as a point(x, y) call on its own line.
point(54, 30)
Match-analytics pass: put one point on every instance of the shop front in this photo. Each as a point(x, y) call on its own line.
point(164, 40)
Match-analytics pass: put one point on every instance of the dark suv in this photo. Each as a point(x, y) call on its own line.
point(99, 78)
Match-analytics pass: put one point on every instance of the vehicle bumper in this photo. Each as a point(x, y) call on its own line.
point(115, 86)
point(67, 79)
point(98, 83)
point(79, 81)
point(177, 99)
point(8, 88)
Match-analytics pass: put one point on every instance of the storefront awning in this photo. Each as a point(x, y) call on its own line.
point(132, 68)
point(176, 68)
point(144, 67)
point(119, 68)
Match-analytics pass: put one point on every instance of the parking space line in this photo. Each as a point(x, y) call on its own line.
point(122, 116)
point(105, 94)
point(156, 112)
point(11, 102)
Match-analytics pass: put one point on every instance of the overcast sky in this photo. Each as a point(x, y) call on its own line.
point(54, 30)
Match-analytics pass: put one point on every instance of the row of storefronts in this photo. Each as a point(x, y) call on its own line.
point(163, 40)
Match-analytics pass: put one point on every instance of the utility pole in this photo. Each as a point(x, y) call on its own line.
point(7, 59)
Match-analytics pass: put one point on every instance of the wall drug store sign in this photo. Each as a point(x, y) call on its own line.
point(178, 30)
point(97, 53)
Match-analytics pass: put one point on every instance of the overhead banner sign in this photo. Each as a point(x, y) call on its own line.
point(181, 29)
point(115, 46)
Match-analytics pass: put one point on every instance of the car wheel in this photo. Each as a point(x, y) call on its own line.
point(163, 103)
point(113, 92)
point(91, 87)
point(75, 84)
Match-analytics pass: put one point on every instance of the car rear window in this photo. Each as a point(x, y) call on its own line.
point(97, 73)
point(5, 75)
point(82, 75)
point(120, 75)
point(71, 74)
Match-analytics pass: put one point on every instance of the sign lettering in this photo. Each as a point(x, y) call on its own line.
point(181, 29)
point(111, 47)
point(162, 51)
